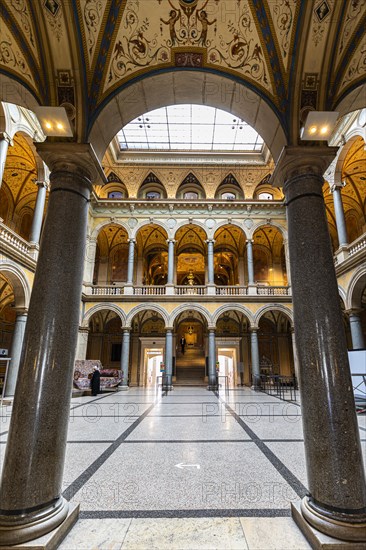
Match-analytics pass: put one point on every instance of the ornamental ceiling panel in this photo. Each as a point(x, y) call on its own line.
point(20, 171)
point(188, 33)
point(355, 69)
point(320, 26)
point(19, 9)
point(351, 19)
point(91, 18)
point(284, 17)
point(12, 58)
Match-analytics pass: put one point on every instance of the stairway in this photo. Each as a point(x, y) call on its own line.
point(190, 368)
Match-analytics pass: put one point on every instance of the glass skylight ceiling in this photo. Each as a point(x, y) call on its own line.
point(189, 128)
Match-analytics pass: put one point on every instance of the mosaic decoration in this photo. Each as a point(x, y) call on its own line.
point(10, 55)
point(283, 16)
point(355, 13)
point(356, 67)
point(321, 21)
point(188, 25)
point(21, 10)
point(53, 12)
point(188, 59)
point(92, 14)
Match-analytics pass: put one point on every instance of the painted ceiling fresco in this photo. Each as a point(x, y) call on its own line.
point(80, 52)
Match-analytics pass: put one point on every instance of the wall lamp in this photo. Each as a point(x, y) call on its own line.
point(319, 125)
point(54, 121)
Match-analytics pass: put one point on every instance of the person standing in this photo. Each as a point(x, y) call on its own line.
point(182, 344)
point(95, 381)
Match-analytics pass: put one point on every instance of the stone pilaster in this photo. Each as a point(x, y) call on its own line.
point(336, 504)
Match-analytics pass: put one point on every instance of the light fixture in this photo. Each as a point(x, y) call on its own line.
point(319, 125)
point(54, 121)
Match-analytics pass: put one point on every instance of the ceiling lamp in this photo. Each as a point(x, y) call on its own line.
point(319, 125)
point(54, 121)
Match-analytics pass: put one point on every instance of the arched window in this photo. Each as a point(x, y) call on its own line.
point(115, 195)
point(265, 196)
point(153, 195)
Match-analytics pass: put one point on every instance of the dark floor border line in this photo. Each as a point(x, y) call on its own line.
point(83, 478)
point(208, 415)
point(287, 475)
point(85, 417)
point(360, 427)
point(208, 513)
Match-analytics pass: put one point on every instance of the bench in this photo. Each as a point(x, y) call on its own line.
point(109, 378)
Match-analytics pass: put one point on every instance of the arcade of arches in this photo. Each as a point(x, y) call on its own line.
point(210, 268)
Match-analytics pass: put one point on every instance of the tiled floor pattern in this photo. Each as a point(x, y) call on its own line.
point(187, 470)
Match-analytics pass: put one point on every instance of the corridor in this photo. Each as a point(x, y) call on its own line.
point(186, 470)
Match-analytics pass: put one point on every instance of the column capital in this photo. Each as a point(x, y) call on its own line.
point(42, 183)
point(4, 136)
point(211, 329)
point(210, 241)
point(21, 311)
point(77, 158)
point(301, 161)
point(126, 329)
point(171, 241)
point(253, 328)
point(248, 241)
point(336, 186)
point(132, 240)
point(169, 329)
point(83, 329)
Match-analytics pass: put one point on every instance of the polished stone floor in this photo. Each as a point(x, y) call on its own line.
point(188, 470)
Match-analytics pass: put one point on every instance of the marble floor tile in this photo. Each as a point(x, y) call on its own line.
point(276, 427)
point(185, 533)
point(96, 534)
point(93, 426)
point(273, 534)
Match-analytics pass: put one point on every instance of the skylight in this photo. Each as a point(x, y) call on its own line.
point(189, 128)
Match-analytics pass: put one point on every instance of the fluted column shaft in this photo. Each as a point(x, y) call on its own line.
point(170, 279)
point(131, 259)
point(211, 358)
point(15, 353)
point(336, 480)
point(358, 340)
point(169, 356)
point(35, 232)
point(210, 262)
point(250, 262)
point(254, 348)
point(339, 215)
point(125, 356)
point(31, 502)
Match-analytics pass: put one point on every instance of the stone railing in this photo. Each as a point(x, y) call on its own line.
point(106, 290)
point(188, 290)
point(357, 245)
point(16, 246)
point(231, 291)
point(149, 290)
point(273, 291)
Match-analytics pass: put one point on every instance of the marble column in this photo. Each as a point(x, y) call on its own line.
point(211, 359)
point(210, 262)
point(287, 260)
point(31, 501)
point(339, 215)
point(358, 340)
point(254, 349)
point(169, 357)
point(5, 141)
point(170, 280)
point(131, 259)
point(336, 503)
point(125, 356)
point(250, 262)
point(35, 232)
point(15, 353)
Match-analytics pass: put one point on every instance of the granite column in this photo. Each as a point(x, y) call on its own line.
point(336, 503)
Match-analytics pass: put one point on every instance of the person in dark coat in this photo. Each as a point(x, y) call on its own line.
point(182, 343)
point(95, 381)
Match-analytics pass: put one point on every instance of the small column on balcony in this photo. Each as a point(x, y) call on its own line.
point(210, 267)
point(130, 265)
point(211, 359)
point(251, 283)
point(169, 289)
point(125, 357)
point(35, 232)
point(169, 357)
point(5, 141)
point(15, 353)
point(358, 340)
point(254, 348)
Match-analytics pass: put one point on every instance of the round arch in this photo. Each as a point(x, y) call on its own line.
point(144, 307)
point(233, 307)
point(342, 295)
point(103, 307)
point(169, 87)
point(187, 223)
point(225, 223)
point(355, 288)
point(273, 307)
point(102, 225)
point(337, 178)
point(148, 222)
point(19, 282)
point(190, 307)
point(262, 223)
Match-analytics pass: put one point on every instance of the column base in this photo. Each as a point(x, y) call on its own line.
point(321, 540)
point(45, 531)
point(255, 388)
point(123, 388)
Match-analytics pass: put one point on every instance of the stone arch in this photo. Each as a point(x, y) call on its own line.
point(169, 87)
point(194, 307)
point(19, 282)
point(105, 223)
point(237, 224)
point(102, 307)
point(270, 307)
point(342, 295)
point(265, 223)
point(188, 222)
point(233, 307)
point(337, 178)
point(144, 307)
point(355, 288)
point(142, 224)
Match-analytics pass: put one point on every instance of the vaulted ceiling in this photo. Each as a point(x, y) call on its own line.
point(294, 54)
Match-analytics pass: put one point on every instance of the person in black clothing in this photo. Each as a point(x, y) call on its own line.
point(95, 381)
point(182, 343)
